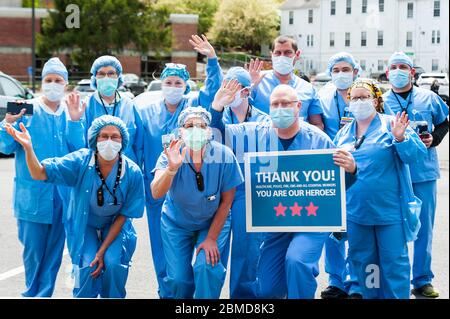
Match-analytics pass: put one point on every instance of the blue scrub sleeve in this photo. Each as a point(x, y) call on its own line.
point(65, 170)
point(75, 133)
point(213, 81)
point(440, 110)
point(232, 176)
point(217, 123)
point(315, 107)
point(161, 164)
point(135, 198)
point(7, 143)
point(138, 143)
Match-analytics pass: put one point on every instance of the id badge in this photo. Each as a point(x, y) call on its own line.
point(344, 121)
point(167, 139)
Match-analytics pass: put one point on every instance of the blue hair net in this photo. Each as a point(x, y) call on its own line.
point(101, 122)
point(106, 60)
point(240, 74)
point(176, 69)
point(55, 66)
point(342, 57)
point(400, 57)
point(194, 111)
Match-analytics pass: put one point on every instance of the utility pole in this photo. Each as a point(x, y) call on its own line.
point(33, 48)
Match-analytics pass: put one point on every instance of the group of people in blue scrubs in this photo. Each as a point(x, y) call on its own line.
point(86, 169)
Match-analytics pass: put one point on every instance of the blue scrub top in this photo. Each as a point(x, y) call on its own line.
point(127, 111)
point(424, 105)
point(77, 170)
point(305, 92)
point(158, 121)
point(101, 216)
point(374, 197)
point(190, 208)
point(334, 109)
point(53, 134)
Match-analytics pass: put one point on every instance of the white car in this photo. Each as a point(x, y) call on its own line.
point(154, 93)
point(11, 90)
point(426, 79)
point(84, 89)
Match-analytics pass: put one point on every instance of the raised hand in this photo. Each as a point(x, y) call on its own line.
point(22, 137)
point(254, 68)
point(174, 156)
point(399, 125)
point(202, 46)
point(73, 106)
point(225, 95)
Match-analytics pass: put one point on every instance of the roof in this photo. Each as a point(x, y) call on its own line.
point(300, 4)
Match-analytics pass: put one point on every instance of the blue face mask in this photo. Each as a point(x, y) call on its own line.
point(342, 80)
point(399, 78)
point(282, 117)
point(107, 86)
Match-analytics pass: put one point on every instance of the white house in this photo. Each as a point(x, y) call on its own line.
point(369, 29)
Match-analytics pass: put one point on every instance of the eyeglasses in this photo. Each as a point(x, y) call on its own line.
point(282, 103)
point(361, 99)
point(198, 125)
point(110, 74)
point(114, 137)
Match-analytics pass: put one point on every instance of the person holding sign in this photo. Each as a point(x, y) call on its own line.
point(107, 190)
point(343, 69)
point(289, 262)
point(39, 207)
point(198, 178)
point(382, 212)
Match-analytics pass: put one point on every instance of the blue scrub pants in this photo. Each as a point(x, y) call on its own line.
point(42, 254)
point(244, 253)
point(379, 257)
point(111, 282)
point(338, 267)
point(422, 273)
point(186, 278)
point(289, 265)
point(159, 259)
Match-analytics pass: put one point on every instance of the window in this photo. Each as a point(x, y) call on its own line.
point(312, 40)
point(438, 36)
point(308, 40)
point(363, 38)
point(362, 63)
point(381, 5)
point(310, 16)
point(364, 6)
point(380, 38)
point(437, 9)
point(380, 65)
point(348, 7)
point(435, 37)
point(434, 64)
point(291, 17)
point(333, 8)
point(410, 10)
point(409, 36)
point(347, 39)
point(331, 39)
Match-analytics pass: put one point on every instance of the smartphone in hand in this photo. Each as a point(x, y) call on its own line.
point(14, 108)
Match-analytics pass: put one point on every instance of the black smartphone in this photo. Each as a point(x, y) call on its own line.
point(14, 108)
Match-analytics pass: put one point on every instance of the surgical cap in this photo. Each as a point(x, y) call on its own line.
point(400, 57)
point(55, 66)
point(342, 57)
point(240, 74)
point(101, 122)
point(106, 60)
point(176, 69)
point(194, 112)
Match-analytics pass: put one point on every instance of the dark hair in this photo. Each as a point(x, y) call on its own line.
point(283, 39)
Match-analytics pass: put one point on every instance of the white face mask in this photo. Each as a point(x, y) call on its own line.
point(283, 64)
point(54, 92)
point(109, 149)
point(362, 110)
point(171, 94)
point(342, 80)
point(237, 100)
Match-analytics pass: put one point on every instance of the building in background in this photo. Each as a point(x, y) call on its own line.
point(369, 29)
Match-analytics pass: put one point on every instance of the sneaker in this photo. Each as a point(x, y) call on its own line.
point(332, 292)
point(427, 291)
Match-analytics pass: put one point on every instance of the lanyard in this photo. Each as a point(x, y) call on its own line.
point(359, 141)
point(336, 99)
point(115, 104)
point(198, 178)
point(404, 109)
point(100, 198)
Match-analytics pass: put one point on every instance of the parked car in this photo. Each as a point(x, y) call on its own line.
point(154, 93)
point(11, 90)
point(426, 79)
point(320, 80)
point(84, 89)
point(134, 83)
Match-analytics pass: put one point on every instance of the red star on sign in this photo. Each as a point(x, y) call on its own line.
point(280, 209)
point(296, 209)
point(311, 209)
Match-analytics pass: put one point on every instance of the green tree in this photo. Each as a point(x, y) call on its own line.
point(106, 26)
point(245, 26)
